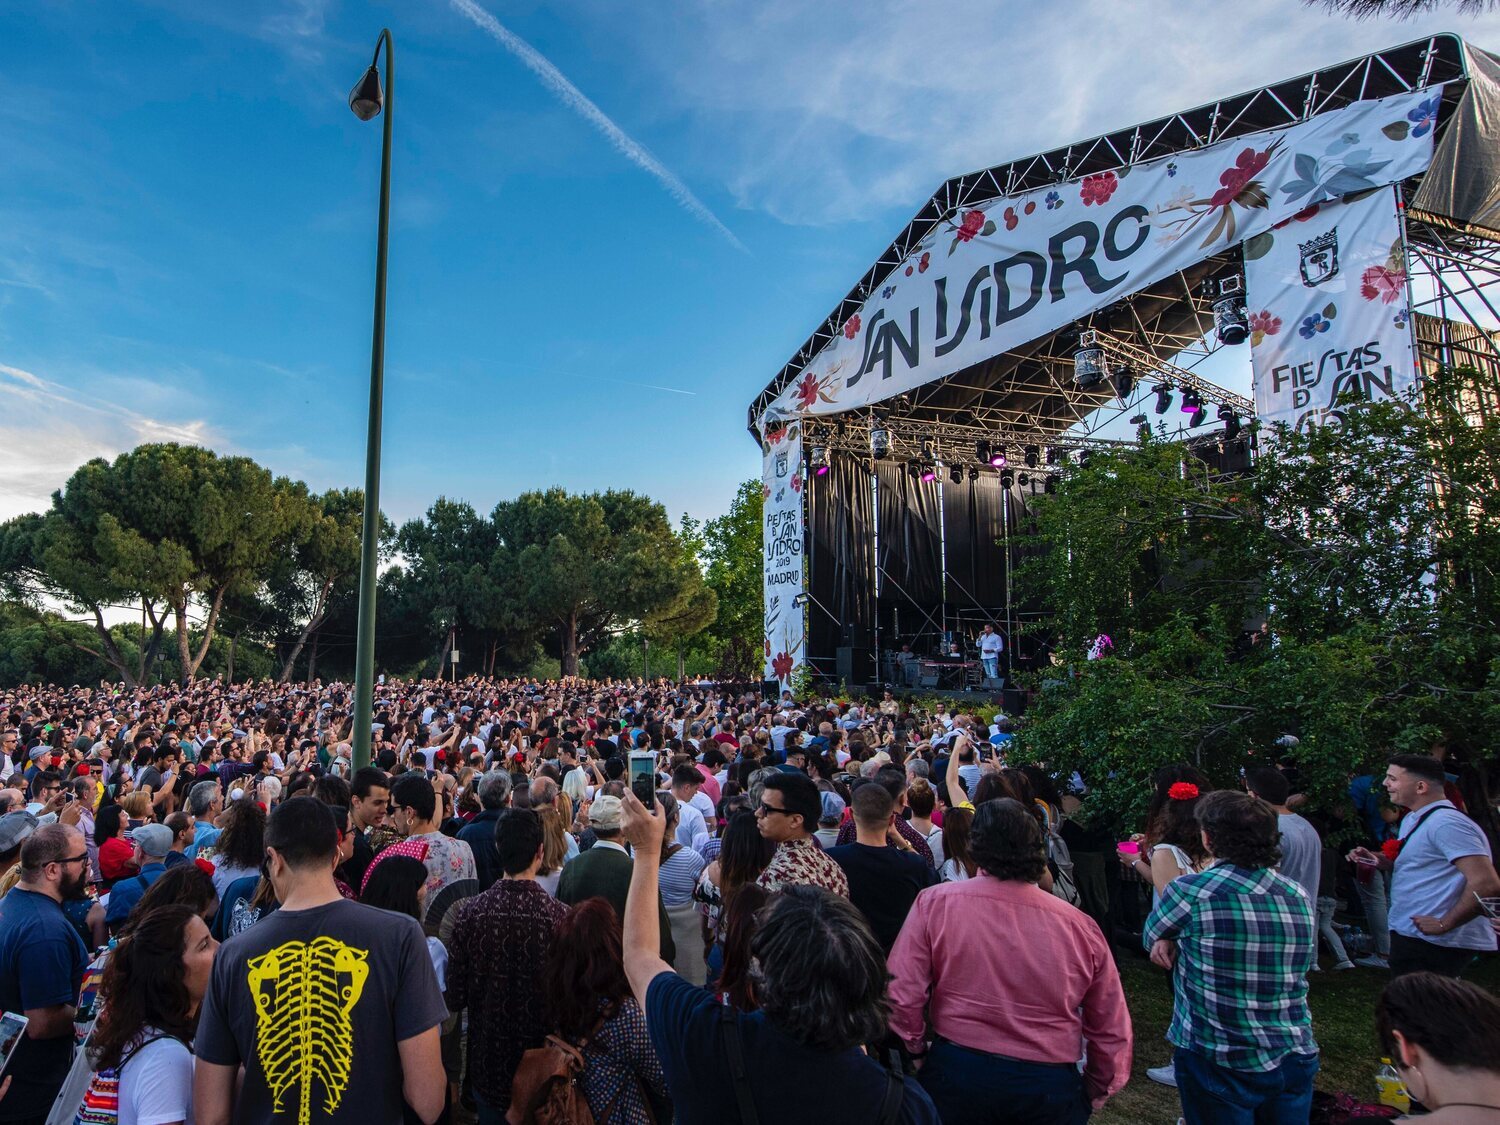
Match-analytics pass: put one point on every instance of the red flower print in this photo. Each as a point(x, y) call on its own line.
point(1098, 188)
point(1030, 207)
point(924, 263)
point(973, 221)
point(851, 327)
point(1264, 323)
point(1247, 166)
point(775, 436)
point(1382, 283)
point(783, 665)
point(797, 482)
point(1391, 849)
point(1011, 219)
point(765, 492)
point(807, 392)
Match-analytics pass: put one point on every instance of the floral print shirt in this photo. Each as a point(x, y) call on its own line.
point(802, 861)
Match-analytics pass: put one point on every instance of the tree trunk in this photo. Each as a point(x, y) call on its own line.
point(312, 659)
point(489, 663)
point(570, 645)
point(184, 642)
point(229, 673)
point(111, 653)
point(681, 665)
point(314, 623)
point(158, 634)
point(208, 631)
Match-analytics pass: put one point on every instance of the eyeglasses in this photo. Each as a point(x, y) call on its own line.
point(767, 810)
point(75, 858)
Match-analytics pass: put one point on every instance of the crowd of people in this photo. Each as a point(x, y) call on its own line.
point(679, 902)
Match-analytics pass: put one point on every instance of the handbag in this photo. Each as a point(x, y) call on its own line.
point(546, 1089)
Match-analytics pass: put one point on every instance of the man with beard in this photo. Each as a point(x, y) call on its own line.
point(42, 960)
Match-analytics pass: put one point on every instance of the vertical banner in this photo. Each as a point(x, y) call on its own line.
point(781, 537)
point(1328, 308)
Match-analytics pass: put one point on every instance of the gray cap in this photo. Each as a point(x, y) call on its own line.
point(153, 839)
point(607, 813)
point(833, 808)
point(15, 827)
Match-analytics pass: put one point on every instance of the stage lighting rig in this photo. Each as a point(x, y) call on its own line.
point(956, 473)
point(1007, 479)
point(1124, 380)
point(1032, 456)
point(1088, 361)
point(1231, 421)
point(1163, 398)
point(1231, 318)
point(880, 439)
point(818, 459)
point(973, 472)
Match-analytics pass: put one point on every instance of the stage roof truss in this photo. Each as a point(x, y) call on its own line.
point(1031, 387)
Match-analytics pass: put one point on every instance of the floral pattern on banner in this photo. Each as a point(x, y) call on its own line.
point(1178, 211)
point(1263, 324)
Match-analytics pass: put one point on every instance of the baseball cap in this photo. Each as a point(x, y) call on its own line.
point(607, 812)
point(833, 808)
point(15, 827)
point(153, 839)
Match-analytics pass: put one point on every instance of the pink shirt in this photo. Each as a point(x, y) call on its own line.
point(1009, 969)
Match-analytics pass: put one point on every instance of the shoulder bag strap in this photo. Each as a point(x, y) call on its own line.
point(734, 1047)
point(895, 1094)
point(1421, 820)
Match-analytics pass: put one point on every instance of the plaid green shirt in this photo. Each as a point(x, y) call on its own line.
point(1245, 940)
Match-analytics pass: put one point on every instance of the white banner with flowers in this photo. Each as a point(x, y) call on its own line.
point(781, 535)
point(1007, 272)
point(1328, 310)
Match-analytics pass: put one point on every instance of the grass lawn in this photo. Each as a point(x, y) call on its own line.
point(1343, 1008)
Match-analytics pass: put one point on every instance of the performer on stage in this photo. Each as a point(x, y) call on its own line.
point(991, 645)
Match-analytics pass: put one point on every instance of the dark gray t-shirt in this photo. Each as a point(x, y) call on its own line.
point(313, 1004)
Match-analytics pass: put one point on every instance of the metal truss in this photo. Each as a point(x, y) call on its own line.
point(1031, 387)
point(1144, 362)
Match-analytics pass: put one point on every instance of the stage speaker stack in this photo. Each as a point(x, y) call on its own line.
point(853, 665)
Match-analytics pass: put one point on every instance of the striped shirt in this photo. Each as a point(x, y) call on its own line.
point(679, 875)
point(1245, 940)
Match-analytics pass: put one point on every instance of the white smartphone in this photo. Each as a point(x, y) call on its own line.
point(12, 1027)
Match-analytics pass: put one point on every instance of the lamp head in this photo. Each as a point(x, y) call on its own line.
point(367, 97)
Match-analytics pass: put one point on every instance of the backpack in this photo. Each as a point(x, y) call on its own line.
point(1060, 863)
point(101, 1101)
point(546, 1090)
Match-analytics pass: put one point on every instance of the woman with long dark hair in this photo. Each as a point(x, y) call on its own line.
point(241, 845)
point(734, 984)
point(117, 858)
point(743, 854)
point(589, 1002)
point(960, 863)
point(152, 987)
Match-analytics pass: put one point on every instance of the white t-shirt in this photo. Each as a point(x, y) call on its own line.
point(1425, 880)
point(705, 805)
point(990, 644)
point(1301, 854)
point(156, 1084)
point(953, 872)
point(692, 832)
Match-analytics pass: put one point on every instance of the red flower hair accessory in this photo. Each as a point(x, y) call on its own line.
point(1391, 849)
point(1182, 791)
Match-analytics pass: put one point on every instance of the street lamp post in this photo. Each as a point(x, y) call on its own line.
point(366, 101)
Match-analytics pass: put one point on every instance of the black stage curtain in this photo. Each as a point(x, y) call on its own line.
point(841, 535)
point(973, 527)
point(910, 537)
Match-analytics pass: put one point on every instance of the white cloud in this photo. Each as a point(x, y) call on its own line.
point(823, 113)
point(47, 431)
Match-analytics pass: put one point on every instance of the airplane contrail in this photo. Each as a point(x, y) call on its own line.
point(571, 96)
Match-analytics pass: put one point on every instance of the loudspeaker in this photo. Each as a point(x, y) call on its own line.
point(770, 689)
point(853, 665)
point(1013, 701)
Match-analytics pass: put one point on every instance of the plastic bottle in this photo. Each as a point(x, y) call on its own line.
point(1392, 1090)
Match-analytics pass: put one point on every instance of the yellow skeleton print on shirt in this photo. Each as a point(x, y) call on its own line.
point(304, 995)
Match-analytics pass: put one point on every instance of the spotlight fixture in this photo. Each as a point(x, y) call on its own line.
point(1124, 380)
point(1050, 488)
point(818, 460)
point(1007, 479)
point(929, 473)
point(1023, 479)
point(997, 458)
point(1192, 402)
point(1196, 418)
point(1231, 318)
point(927, 451)
point(973, 472)
point(1163, 397)
point(982, 451)
point(914, 470)
point(1231, 421)
point(1053, 455)
point(1084, 455)
point(880, 439)
point(1032, 456)
point(1138, 419)
point(1088, 366)
point(955, 473)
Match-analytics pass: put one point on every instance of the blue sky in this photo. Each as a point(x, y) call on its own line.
point(187, 213)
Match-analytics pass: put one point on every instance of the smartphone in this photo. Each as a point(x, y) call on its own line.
point(1490, 908)
point(12, 1027)
point(643, 776)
